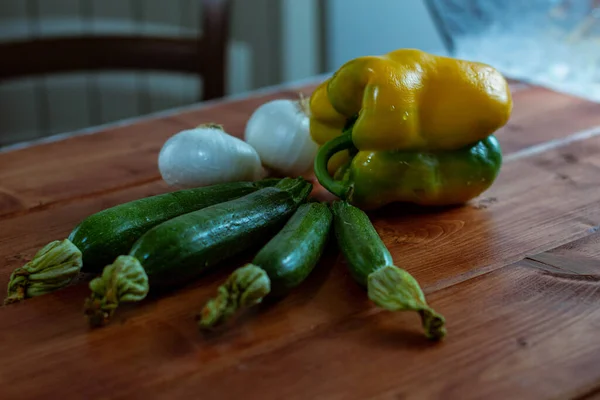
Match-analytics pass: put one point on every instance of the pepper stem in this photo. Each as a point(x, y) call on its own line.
point(122, 281)
point(245, 287)
point(395, 289)
point(328, 150)
point(52, 268)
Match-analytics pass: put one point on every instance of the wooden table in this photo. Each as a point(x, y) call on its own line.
point(514, 272)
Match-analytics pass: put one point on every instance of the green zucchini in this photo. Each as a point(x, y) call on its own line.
point(99, 238)
point(182, 248)
point(280, 266)
point(371, 265)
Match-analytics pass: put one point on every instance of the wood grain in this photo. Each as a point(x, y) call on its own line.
point(515, 273)
point(515, 333)
point(581, 257)
point(326, 340)
point(552, 114)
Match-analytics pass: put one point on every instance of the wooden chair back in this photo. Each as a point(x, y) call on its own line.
point(205, 55)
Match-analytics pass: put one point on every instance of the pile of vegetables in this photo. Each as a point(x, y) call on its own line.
point(404, 127)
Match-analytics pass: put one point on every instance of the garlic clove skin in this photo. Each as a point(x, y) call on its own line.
point(206, 156)
point(279, 131)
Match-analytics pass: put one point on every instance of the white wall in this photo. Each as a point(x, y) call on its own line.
point(301, 39)
point(356, 28)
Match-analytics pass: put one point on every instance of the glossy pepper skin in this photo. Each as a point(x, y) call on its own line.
point(411, 100)
point(409, 127)
point(372, 179)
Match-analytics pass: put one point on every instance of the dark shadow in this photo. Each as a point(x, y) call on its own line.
point(376, 332)
point(217, 273)
point(395, 330)
point(398, 210)
point(313, 283)
point(402, 337)
point(298, 297)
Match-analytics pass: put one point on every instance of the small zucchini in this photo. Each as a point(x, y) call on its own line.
point(182, 248)
point(372, 266)
point(280, 266)
point(98, 239)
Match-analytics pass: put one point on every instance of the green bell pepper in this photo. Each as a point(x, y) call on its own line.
point(372, 179)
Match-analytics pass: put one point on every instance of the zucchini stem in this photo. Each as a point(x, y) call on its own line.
point(244, 288)
point(394, 289)
point(122, 281)
point(52, 268)
point(299, 188)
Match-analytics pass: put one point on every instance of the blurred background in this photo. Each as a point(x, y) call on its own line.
point(197, 50)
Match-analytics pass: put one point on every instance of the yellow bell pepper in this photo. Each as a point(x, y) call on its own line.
point(410, 100)
point(409, 126)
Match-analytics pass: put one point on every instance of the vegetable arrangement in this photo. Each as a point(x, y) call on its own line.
point(181, 248)
point(101, 237)
point(403, 127)
point(280, 266)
